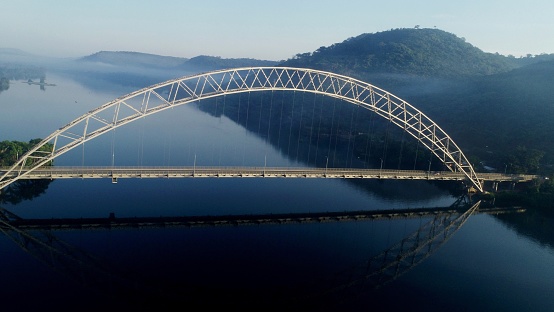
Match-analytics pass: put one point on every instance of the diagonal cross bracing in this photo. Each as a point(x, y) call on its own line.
point(249, 79)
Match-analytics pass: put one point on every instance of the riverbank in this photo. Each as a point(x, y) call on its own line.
point(530, 200)
point(44, 84)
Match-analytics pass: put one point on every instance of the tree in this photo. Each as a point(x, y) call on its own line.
point(524, 160)
point(10, 151)
point(4, 84)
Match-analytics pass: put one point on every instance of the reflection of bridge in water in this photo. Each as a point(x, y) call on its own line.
point(235, 220)
point(37, 238)
point(396, 260)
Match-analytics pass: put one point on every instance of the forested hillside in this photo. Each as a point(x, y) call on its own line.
point(495, 114)
point(492, 105)
point(422, 52)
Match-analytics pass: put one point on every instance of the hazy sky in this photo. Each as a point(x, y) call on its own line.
point(273, 30)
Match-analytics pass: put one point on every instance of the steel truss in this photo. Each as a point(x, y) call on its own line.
point(162, 96)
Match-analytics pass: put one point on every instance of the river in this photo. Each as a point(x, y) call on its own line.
point(490, 263)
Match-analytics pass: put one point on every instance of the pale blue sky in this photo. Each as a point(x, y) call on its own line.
point(273, 30)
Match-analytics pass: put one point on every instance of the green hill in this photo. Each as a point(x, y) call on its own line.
point(421, 52)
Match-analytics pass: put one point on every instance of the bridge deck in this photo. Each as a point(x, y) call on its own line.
point(115, 173)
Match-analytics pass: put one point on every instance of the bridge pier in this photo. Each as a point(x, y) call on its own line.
point(491, 186)
point(503, 185)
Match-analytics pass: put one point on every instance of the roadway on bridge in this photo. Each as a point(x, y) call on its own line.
point(60, 172)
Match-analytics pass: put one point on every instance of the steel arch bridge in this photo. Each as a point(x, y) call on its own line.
point(172, 93)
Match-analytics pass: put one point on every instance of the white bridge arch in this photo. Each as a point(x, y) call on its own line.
point(161, 96)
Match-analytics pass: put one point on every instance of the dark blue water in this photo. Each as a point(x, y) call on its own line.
point(486, 265)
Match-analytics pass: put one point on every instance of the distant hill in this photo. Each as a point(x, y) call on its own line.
point(152, 61)
point(12, 57)
point(420, 52)
point(212, 62)
point(141, 69)
point(12, 51)
point(136, 59)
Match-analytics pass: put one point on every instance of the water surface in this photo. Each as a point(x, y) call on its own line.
point(486, 265)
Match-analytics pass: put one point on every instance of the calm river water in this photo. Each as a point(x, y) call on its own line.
point(491, 263)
